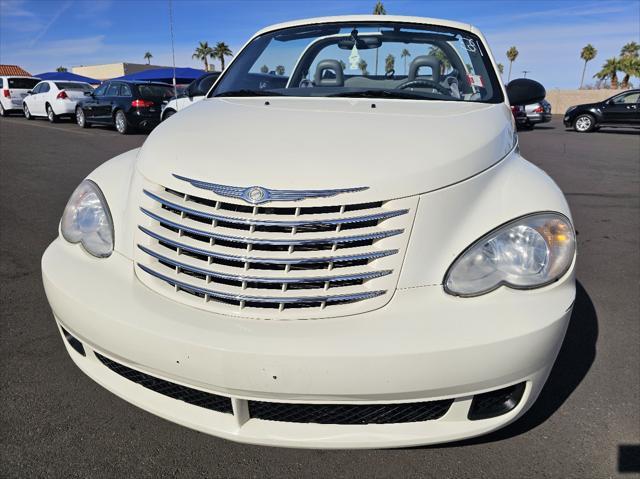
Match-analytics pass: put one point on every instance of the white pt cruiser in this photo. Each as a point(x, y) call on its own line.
point(340, 247)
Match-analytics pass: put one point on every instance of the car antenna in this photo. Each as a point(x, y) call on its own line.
point(173, 50)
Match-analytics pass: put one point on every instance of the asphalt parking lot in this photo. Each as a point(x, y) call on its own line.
point(56, 422)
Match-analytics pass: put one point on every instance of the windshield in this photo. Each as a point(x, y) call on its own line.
point(73, 86)
point(373, 60)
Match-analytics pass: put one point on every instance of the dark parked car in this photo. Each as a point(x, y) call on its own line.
point(126, 105)
point(519, 115)
point(619, 110)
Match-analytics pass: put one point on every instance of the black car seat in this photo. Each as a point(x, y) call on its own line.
point(425, 61)
point(329, 73)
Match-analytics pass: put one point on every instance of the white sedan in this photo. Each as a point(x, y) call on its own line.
point(54, 99)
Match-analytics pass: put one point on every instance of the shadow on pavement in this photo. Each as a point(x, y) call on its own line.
point(574, 360)
point(617, 131)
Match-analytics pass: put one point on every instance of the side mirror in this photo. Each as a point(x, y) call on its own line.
point(523, 91)
point(29, 92)
point(88, 93)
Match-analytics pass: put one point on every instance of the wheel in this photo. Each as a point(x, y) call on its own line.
point(121, 123)
point(584, 123)
point(27, 113)
point(51, 116)
point(168, 114)
point(81, 120)
point(3, 112)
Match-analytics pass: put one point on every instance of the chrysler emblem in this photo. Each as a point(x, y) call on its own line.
point(255, 194)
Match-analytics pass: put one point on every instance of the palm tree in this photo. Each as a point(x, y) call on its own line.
point(588, 53)
point(631, 49)
point(220, 51)
point(378, 10)
point(501, 68)
point(404, 55)
point(264, 69)
point(389, 63)
point(203, 52)
point(148, 56)
point(363, 67)
point(512, 54)
point(629, 62)
point(631, 68)
point(61, 69)
point(280, 70)
point(440, 55)
point(610, 70)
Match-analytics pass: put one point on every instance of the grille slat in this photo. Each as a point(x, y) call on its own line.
point(187, 268)
point(230, 257)
point(268, 260)
point(367, 219)
point(275, 300)
point(273, 242)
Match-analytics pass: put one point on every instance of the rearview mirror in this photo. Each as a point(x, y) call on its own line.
point(523, 91)
point(364, 43)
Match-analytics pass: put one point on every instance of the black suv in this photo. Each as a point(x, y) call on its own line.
point(124, 104)
point(619, 110)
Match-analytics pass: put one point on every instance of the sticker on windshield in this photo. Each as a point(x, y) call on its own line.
point(469, 44)
point(472, 46)
point(475, 80)
point(354, 58)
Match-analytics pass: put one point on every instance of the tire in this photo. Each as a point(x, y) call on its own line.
point(121, 123)
point(3, 112)
point(27, 113)
point(584, 123)
point(81, 119)
point(168, 114)
point(51, 116)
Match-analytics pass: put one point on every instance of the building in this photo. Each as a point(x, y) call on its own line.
point(13, 70)
point(112, 70)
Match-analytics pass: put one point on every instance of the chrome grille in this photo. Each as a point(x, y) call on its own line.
point(300, 262)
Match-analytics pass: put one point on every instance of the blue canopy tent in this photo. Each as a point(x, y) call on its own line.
point(67, 76)
point(183, 75)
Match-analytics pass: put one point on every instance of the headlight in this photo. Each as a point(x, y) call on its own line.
point(526, 253)
point(87, 220)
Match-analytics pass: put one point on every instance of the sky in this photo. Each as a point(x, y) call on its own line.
point(40, 35)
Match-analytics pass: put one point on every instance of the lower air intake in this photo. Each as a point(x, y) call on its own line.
point(172, 390)
point(349, 413)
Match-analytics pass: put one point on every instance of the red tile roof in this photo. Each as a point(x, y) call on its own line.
point(13, 70)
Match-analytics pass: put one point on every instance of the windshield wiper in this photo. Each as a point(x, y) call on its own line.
point(247, 93)
point(386, 94)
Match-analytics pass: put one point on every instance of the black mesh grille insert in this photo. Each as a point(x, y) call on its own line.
point(349, 413)
point(172, 390)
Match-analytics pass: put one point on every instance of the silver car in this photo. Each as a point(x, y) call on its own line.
point(537, 113)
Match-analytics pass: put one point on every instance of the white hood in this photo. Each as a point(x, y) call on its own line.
point(397, 148)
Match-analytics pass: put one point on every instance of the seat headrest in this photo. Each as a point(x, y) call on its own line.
point(425, 61)
point(325, 66)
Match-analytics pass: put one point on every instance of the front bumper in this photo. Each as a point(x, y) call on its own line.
point(423, 346)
